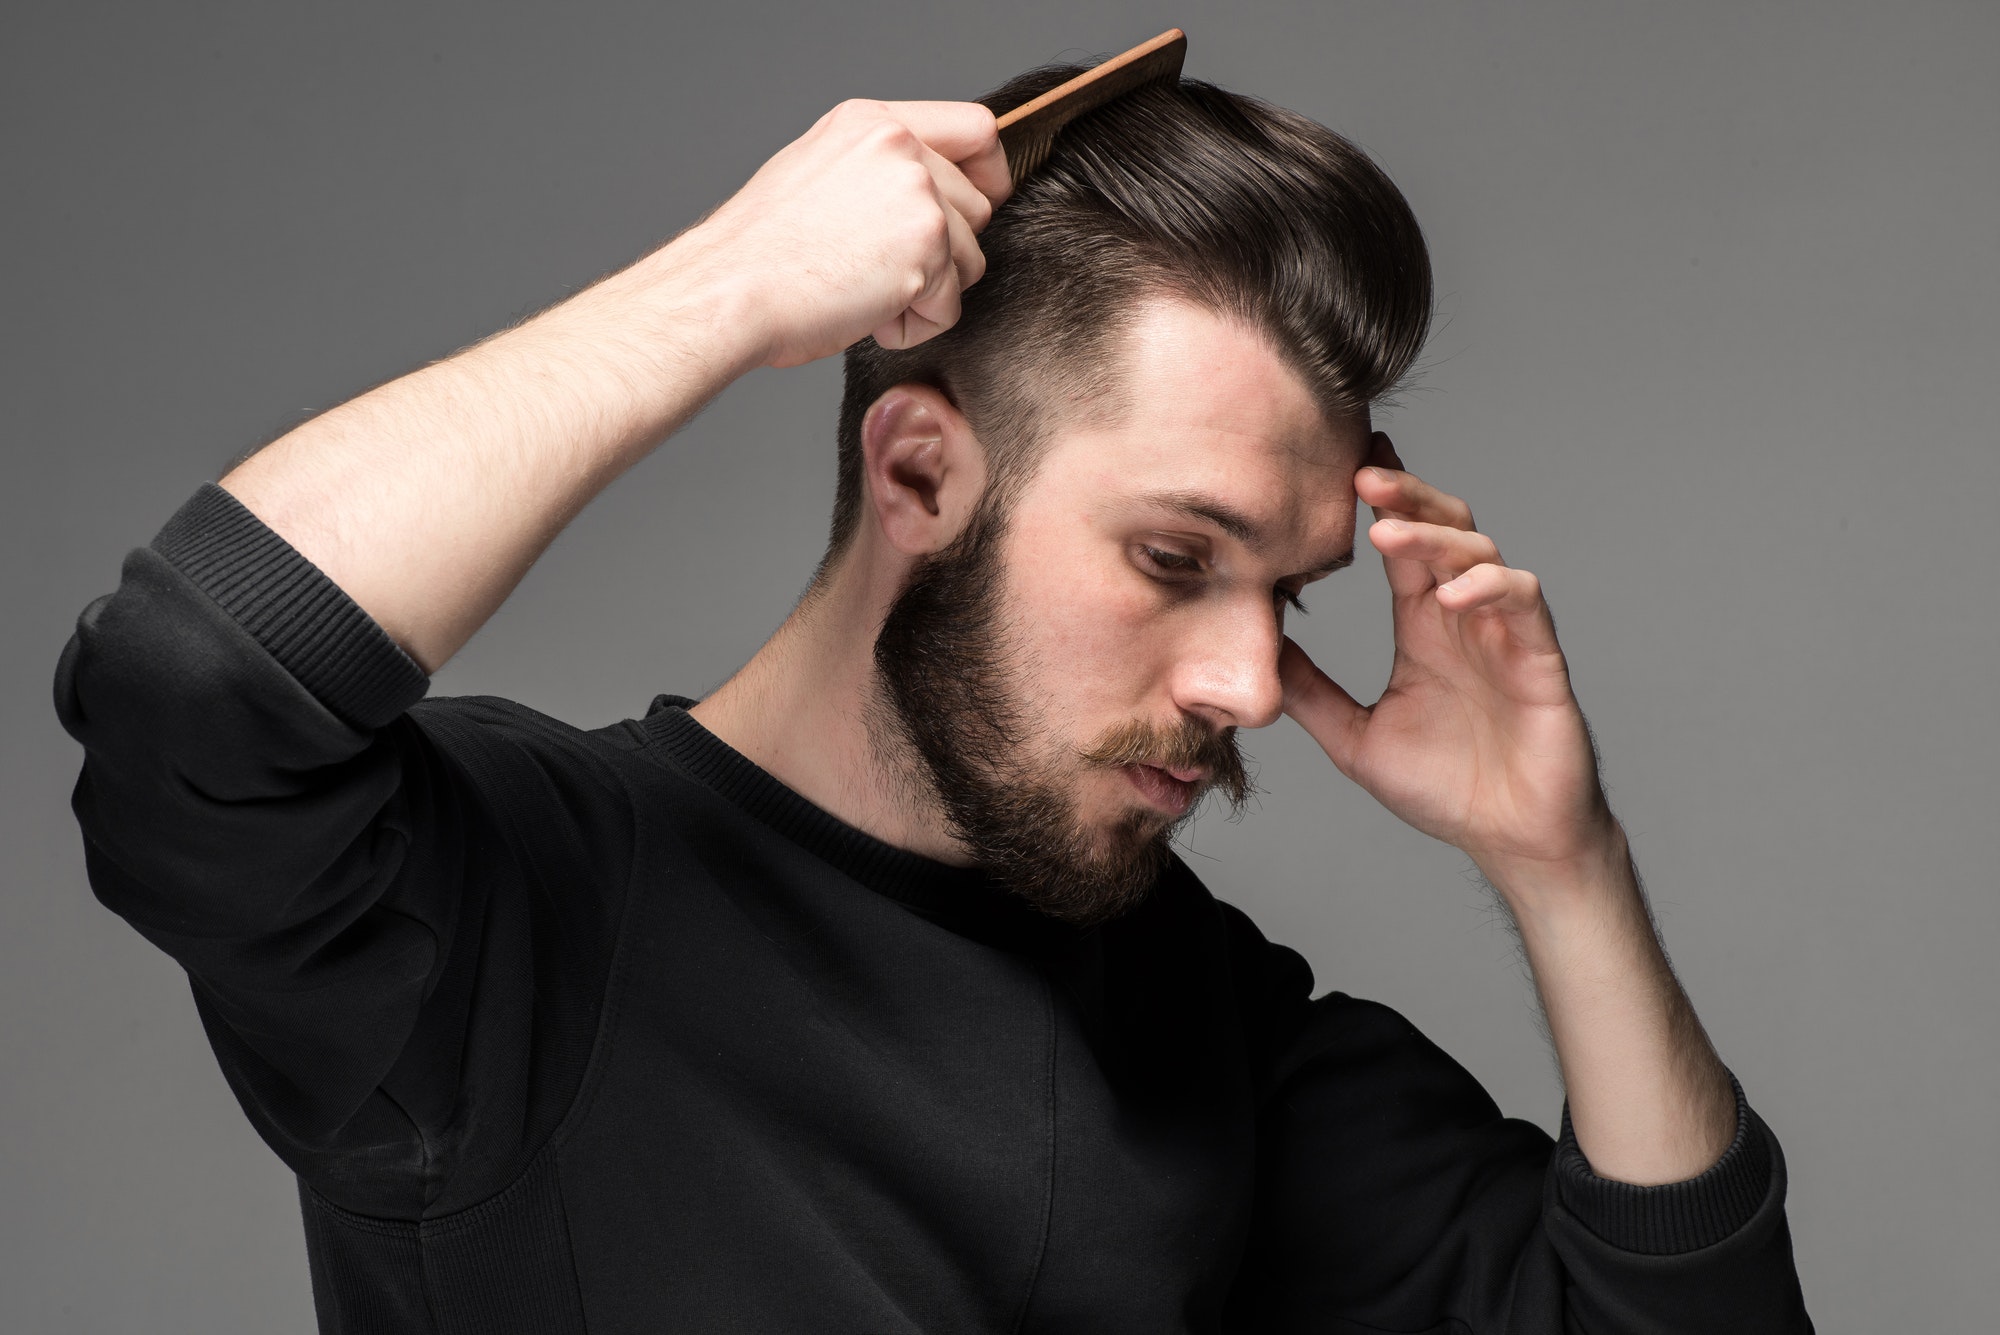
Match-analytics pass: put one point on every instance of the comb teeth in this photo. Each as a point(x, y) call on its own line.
point(1027, 152)
point(1028, 132)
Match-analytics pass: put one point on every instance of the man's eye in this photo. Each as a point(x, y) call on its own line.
point(1180, 563)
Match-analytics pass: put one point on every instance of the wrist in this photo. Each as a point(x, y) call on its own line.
point(690, 288)
point(1599, 866)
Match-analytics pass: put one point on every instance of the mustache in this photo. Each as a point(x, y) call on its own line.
point(1187, 745)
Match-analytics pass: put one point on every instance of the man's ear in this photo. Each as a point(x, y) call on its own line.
point(922, 468)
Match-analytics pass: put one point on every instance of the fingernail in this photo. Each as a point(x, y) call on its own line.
point(1395, 525)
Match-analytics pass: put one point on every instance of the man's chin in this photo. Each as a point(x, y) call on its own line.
point(1116, 874)
point(1120, 828)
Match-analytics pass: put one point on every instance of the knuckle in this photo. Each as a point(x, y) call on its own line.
point(889, 135)
point(841, 118)
point(903, 188)
point(929, 230)
point(858, 108)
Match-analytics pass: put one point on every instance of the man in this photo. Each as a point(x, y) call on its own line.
point(866, 994)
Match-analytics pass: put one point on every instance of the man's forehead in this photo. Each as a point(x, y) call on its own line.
point(1203, 400)
point(1189, 385)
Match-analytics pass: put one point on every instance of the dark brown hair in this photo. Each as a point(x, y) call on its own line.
point(1188, 191)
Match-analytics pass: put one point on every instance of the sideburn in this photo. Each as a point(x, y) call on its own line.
point(939, 655)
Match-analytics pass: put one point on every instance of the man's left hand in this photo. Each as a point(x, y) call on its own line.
point(1477, 739)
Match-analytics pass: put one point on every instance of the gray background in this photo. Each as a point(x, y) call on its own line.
point(1717, 337)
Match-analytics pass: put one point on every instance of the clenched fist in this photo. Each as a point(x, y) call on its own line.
point(863, 225)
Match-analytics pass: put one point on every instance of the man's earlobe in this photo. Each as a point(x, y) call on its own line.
point(922, 468)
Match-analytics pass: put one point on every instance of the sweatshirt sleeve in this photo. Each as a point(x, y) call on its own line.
point(1394, 1196)
point(366, 889)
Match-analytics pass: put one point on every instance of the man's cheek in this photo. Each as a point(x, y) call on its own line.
point(1095, 624)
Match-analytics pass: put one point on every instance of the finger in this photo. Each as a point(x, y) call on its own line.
point(1444, 552)
point(910, 328)
point(935, 307)
point(967, 256)
point(1390, 491)
point(938, 303)
point(905, 331)
point(965, 133)
point(1321, 706)
point(1514, 594)
point(958, 191)
point(986, 169)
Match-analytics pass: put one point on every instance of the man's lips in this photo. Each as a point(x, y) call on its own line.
point(1171, 790)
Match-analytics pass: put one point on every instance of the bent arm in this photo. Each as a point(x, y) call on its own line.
point(1478, 740)
point(427, 498)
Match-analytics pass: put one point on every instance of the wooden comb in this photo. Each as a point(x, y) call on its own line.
point(1029, 130)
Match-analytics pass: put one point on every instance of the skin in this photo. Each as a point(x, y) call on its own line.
point(428, 498)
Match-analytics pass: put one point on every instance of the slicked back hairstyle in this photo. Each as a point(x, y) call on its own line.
point(1187, 191)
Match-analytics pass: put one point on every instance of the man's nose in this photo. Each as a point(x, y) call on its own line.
point(1229, 674)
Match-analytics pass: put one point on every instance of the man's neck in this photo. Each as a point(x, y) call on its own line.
point(808, 710)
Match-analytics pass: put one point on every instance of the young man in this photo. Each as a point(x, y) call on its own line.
point(866, 993)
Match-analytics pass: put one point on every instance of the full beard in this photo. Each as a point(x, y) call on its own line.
point(950, 691)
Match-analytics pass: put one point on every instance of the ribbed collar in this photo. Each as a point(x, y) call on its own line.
point(962, 899)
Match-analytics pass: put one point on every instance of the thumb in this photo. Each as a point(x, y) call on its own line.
point(1321, 706)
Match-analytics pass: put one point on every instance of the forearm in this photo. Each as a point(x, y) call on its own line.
point(1649, 1100)
point(428, 498)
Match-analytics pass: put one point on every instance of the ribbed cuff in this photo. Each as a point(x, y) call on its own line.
point(306, 621)
point(1673, 1217)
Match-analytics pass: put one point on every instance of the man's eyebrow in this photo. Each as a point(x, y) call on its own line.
point(1201, 505)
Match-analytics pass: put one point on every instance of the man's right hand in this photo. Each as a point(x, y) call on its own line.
point(862, 225)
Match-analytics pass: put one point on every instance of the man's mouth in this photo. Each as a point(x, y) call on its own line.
point(1170, 790)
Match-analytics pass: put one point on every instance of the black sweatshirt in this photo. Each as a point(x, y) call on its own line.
point(610, 1030)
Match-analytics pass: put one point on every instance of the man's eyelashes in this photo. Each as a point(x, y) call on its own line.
point(1175, 567)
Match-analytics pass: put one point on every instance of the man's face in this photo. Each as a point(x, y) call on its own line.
point(1074, 682)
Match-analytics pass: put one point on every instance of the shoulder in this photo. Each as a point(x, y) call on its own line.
point(1267, 975)
point(1307, 1035)
point(535, 775)
point(489, 725)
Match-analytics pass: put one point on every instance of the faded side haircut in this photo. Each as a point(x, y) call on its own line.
point(1187, 191)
